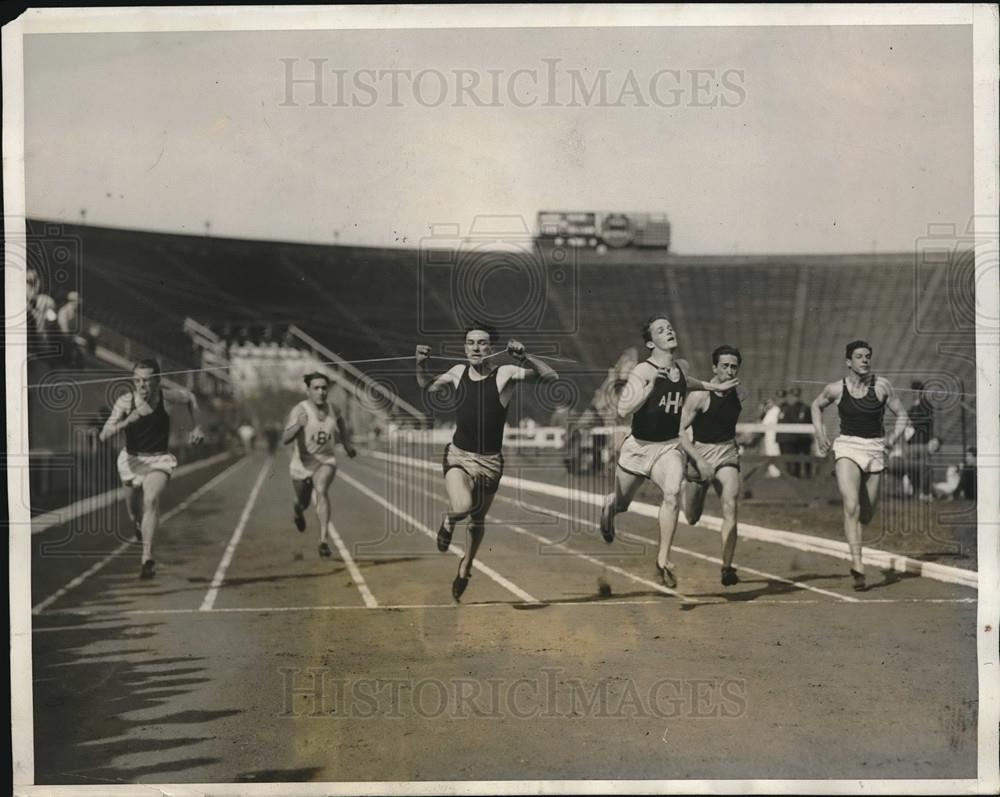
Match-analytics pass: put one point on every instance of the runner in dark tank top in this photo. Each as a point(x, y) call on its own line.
point(473, 462)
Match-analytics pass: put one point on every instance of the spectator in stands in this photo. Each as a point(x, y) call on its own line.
point(42, 319)
point(967, 480)
point(68, 319)
point(247, 435)
point(912, 466)
point(795, 444)
point(921, 415)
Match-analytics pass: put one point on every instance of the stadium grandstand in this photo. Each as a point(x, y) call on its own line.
point(181, 295)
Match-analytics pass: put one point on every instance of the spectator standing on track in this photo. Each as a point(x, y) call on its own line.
point(797, 444)
point(921, 415)
point(772, 413)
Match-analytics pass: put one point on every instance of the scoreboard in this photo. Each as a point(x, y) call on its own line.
point(608, 228)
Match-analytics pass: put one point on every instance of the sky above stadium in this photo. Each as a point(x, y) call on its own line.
point(753, 140)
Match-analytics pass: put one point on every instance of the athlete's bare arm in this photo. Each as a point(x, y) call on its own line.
point(345, 435)
point(884, 386)
point(189, 400)
point(120, 418)
point(828, 396)
point(296, 423)
point(530, 368)
point(424, 377)
point(638, 386)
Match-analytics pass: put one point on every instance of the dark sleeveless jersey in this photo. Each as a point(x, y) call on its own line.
point(149, 434)
point(659, 417)
point(480, 417)
point(717, 424)
point(861, 417)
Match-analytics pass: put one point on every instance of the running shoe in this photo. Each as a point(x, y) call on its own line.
point(859, 581)
point(729, 577)
point(459, 585)
point(148, 569)
point(300, 518)
point(324, 550)
point(607, 525)
point(444, 539)
point(667, 575)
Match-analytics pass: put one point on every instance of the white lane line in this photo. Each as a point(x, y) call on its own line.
point(586, 557)
point(604, 565)
point(227, 556)
point(799, 584)
point(788, 539)
point(98, 613)
point(678, 549)
point(57, 517)
point(508, 585)
point(76, 582)
point(359, 580)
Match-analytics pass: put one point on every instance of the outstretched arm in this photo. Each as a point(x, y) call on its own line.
point(425, 378)
point(118, 420)
point(531, 367)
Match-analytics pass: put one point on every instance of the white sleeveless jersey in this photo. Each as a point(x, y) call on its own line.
point(315, 446)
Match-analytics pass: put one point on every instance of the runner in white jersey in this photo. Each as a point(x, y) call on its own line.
point(314, 427)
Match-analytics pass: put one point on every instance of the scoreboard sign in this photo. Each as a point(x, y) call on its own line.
point(612, 229)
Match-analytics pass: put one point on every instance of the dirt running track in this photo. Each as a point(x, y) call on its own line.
point(565, 659)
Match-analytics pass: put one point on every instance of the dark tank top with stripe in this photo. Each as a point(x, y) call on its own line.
point(480, 417)
point(717, 424)
point(659, 417)
point(151, 433)
point(861, 417)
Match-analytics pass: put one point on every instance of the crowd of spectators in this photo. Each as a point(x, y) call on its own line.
point(55, 328)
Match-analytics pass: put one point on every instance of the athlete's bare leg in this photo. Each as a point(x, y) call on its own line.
point(849, 483)
point(727, 486)
point(693, 500)
point(458, 484)
point(626, 486)
point(667, 474)
point(476, 532)
point(322, 479)
point(869, 496)
point(303, 489)
point(153, 485)
point(133, 505)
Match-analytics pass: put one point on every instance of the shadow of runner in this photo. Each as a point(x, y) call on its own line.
point(91, 705)
point(771, 588)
